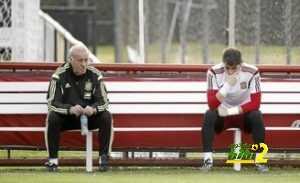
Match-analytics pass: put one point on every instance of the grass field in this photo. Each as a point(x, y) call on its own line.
point(148, 175)
point(268, 54)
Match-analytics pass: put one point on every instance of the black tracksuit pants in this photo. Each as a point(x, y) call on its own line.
point(56, 123)
point(213, 123)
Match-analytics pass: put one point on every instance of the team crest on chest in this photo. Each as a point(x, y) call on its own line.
point(88, 86)
point(243, 85)
point(88, 90)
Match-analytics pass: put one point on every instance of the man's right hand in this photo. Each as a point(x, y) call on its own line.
point(77, 110)
point(224, 90)
point(230, 81)
point(89, 111)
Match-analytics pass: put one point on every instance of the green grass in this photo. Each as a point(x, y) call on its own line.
point(31, 154)
point(149, 175)
point(139, 174)
point(268, 54)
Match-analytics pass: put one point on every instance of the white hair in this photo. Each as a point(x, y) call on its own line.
point(75, 48)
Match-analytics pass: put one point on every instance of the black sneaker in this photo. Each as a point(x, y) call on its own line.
point(103, 166)
point(51, 167)
point(207, 165)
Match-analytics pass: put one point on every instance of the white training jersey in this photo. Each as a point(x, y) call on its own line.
point(248, 82)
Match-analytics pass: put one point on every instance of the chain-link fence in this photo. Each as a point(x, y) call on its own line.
point(195, 31)
point(5, 22)
point(175, 31)
point(268, 30)
point(5, 13)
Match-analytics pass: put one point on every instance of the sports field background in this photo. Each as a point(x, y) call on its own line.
point(268, 54)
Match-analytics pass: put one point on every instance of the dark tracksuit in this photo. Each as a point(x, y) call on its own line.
point(67, 90)
point(252, 122)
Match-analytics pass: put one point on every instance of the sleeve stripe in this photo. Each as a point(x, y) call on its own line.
point(253, 77)
point(60, 70)
point(51, 97)
point(104, 96)
point(96, 71)
point(103, 92)
point(210, 85)
point(102, 107)
point(212, 71)
point(59, 110)
point(52, 90)
point(257, 85)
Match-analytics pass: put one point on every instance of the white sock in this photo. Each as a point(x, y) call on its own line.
point(100, 160)
point(256, 154)
point(53, 160)
point(208, 155)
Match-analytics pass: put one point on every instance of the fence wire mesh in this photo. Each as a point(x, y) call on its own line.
point(196, 31)
point(5, 22)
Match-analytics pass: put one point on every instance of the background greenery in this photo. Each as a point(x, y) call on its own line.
point(269, 54)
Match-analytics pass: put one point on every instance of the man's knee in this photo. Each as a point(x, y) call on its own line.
point(210, 115)
point(210, 118)
point(104, 117)
point(254, 120)
point(54, 118)
point(254, 115)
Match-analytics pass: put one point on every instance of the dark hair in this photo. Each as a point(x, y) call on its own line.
point(232, 56)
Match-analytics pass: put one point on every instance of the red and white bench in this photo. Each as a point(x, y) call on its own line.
point(151, 110)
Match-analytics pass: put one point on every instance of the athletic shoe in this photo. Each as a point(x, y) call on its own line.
point(207, 165)
point(51, 167)
point(262, 168)
point(103, 165)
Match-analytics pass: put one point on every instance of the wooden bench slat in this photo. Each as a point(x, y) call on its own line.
point(29, 98)
point(149, 108)
point(148, 86)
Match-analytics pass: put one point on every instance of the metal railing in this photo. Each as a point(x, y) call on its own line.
point(58, 40)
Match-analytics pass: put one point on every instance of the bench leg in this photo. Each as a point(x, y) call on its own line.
point(89, 152)
point(237, 140)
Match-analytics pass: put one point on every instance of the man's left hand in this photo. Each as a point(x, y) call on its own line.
point(223, 111)
point(89, 111)
point(234, 111)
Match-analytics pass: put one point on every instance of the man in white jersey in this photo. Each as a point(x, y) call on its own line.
point(233, 97)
